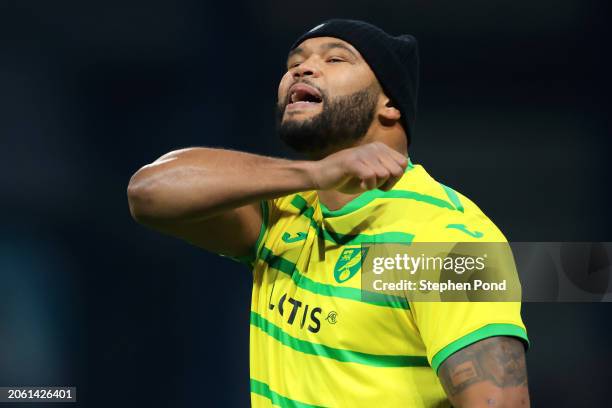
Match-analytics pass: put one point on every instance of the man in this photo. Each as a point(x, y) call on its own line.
point(348, 102)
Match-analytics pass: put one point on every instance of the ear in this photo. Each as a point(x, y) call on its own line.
point(388, 112)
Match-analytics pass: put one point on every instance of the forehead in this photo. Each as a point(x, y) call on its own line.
point(321, 45)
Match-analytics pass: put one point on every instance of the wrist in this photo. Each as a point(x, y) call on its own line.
point(307, 172)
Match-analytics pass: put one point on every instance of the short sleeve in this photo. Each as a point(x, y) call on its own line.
point(249, 260)
point(447, 326)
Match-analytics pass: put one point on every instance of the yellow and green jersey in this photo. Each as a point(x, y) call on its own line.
point(314, 341)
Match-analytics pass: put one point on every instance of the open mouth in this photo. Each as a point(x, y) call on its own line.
point(303, 96)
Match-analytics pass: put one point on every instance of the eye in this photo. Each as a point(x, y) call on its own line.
point(335, 59)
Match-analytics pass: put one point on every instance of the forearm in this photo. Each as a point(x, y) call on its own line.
point(198, 183)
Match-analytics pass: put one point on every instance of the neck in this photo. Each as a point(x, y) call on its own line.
point(335, 200)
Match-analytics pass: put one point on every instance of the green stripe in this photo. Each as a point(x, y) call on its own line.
point(307, 211)
point(372, 298)
point(264, 390)
point(356, 239)
point(345, 356)
point(348, 239)
point(301, 204)
point(490, 330)
point(452, 195)
point(371, 195)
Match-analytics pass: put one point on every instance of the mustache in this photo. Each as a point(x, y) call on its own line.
point(283, 104)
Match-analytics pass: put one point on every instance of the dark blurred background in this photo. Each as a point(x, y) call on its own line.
point(513, 112)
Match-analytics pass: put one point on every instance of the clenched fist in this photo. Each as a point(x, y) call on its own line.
point(358, 169)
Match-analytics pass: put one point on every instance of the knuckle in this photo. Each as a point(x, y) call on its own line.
point(368, 174)
point(383, 174)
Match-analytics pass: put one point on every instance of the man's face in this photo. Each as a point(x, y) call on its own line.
point(327, 98)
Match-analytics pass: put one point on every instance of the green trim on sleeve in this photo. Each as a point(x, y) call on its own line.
point(249, 260)
point(490, 330)
point(264, 226)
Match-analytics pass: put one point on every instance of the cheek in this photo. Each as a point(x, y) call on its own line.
point(283, 86)
point(348, 81)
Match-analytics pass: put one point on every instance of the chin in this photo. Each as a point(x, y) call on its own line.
point(299, 116)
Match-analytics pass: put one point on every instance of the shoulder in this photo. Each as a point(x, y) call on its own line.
point(292, 205)
point(443, 213)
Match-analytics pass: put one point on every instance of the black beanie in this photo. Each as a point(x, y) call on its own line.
point(394, 60)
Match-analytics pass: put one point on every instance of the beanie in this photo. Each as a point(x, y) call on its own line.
point(394, 61)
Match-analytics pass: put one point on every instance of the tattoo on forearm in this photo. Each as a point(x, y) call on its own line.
point(500, 360)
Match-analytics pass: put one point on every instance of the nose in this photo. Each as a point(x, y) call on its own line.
point(305, 69)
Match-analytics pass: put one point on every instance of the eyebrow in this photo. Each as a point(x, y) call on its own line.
point(324, 47)
point(295, 51)
point(329, 46)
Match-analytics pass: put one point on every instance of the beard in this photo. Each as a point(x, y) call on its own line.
point(342, 122)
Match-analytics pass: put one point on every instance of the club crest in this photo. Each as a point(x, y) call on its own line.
point(348, 263)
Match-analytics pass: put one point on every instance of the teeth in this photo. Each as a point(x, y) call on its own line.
point(302, 97)
point(303, 102)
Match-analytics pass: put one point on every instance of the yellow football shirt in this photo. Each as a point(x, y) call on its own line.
point(314, 341)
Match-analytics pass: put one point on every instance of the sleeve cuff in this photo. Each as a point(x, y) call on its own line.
point(490, 330)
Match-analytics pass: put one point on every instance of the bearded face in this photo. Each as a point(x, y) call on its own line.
point(328, 97)
point(341, 121)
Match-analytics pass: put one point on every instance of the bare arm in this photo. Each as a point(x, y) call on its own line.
point(488, 373)
point(210, 197)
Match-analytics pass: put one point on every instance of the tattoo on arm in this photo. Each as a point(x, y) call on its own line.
point(500, 360)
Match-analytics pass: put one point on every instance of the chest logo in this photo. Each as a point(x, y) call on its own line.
point(348, 264)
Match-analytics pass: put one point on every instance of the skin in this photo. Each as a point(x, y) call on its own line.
point(210, 197)
point(488, 373)
point(339, 69)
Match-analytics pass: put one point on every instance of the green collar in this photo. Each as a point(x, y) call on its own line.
point(359, 201)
